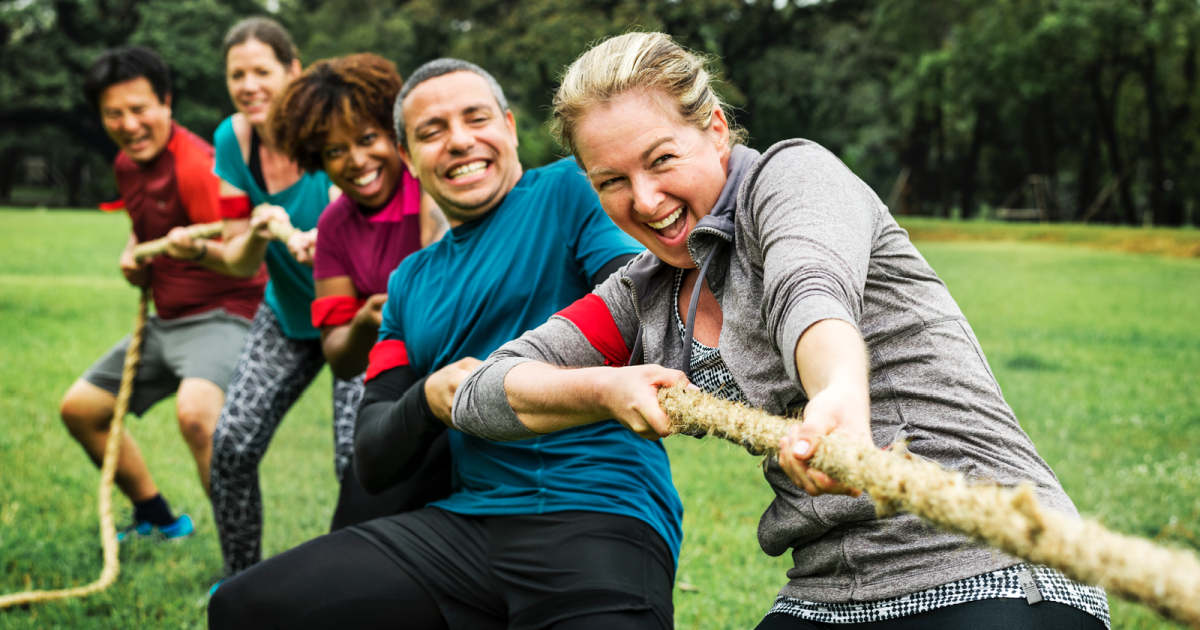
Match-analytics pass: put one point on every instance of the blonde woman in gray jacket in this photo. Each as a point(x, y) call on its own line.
point(780, 280)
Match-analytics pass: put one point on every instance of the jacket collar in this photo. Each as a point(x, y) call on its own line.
point(720, 218)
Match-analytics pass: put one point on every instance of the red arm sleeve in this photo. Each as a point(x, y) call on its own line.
point(591, 316)
point(386, 355)
point(335, 310)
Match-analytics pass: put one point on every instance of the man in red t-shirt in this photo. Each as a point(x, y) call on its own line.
point(191, 344)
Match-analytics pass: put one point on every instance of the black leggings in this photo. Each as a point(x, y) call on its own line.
point(341, 580)
point(986, 614)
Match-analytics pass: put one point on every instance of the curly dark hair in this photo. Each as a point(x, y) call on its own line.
point(359, 88)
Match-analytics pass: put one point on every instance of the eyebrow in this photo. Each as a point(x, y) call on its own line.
point(604, 170)
point(654, 145)
point(466, 111)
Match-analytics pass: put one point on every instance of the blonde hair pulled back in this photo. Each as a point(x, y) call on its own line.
point(651, 64)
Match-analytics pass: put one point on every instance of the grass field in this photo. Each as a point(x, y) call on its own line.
point(1097, 351)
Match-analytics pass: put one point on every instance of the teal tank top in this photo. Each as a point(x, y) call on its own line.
point(290, 291)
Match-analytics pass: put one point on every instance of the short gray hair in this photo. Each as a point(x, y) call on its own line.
point(433, 70)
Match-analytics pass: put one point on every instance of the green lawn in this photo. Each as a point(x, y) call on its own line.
point(1098, 352)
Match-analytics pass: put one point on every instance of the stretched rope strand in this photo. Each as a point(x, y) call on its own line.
point(108, 470)
point(1009, 519)
point(280, 230)
point(159, 245)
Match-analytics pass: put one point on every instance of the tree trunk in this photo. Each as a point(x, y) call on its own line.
point(1105, 107)
point(914, 157)
point(1158, 174)
point(971, 165)
point(1087, 189)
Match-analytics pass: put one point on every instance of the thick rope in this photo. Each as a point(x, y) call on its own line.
point(1009, 519)
point(108, 470)
point(280, 230)
point(159, 245)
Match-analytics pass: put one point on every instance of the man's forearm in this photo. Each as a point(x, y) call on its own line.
point(394, 430)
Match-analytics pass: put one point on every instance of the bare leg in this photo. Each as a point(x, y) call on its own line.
point(198, 406)
point(87, 411)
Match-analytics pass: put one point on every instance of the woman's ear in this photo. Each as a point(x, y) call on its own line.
point(718, 129)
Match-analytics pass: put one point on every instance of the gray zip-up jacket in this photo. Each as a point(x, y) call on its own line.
point(807, 240)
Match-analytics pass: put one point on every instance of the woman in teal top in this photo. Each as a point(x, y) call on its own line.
point(282, 352)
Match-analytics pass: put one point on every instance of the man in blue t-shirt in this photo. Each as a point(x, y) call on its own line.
point(575, 529)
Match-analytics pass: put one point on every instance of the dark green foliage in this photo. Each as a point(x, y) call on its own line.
point(967, 99)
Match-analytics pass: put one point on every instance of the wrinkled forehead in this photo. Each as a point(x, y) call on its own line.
point(449, 95)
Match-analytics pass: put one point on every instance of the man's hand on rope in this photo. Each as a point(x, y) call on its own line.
point(631, 396)
point(135, 270)
point(303, 246)
point(837, 408)
point(182, 246)
point(441, 385)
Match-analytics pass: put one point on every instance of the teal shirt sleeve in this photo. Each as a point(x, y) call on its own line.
point(593, 239)
point(391, 328)
point(228, 163)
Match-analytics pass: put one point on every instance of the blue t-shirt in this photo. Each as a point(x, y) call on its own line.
point(484, 284)
point(290, 291)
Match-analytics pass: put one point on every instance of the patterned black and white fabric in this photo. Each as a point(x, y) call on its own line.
point(272, 371)
point(1004, 583)
point(710, 374)
point(708, 368)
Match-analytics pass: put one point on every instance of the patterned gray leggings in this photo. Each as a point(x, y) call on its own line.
point(272, 371)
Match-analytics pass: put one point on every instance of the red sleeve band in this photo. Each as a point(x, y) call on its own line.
point(335, 310)
point(591, 316)
point(235, 207)
point(113, 206)
point(386, 355)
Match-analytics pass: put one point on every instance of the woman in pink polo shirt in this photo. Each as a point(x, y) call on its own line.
point(337, 116)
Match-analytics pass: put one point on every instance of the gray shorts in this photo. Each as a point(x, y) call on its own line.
point(199, 346)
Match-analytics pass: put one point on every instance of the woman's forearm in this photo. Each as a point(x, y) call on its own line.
point(546, 398)
point(244, 250)
point(832, 352)
point(347, 348)
point(832, 363)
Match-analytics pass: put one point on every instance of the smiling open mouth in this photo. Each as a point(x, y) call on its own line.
point(467, 169)
point(366, 179)
point(658, 225)
point(673, 225)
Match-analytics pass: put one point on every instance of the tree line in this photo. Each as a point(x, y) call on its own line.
point(1064, 110)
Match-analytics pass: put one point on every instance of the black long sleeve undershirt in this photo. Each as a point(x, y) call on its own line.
point(609, 268)
point(395, 429)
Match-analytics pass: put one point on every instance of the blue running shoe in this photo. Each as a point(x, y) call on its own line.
point(181, 528)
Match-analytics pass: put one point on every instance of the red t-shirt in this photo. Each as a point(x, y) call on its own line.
point(179, 189)
point(368, 248)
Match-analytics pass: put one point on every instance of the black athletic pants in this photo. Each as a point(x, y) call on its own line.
point(348, 583)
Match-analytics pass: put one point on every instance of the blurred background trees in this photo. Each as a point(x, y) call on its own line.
point(1054, 110)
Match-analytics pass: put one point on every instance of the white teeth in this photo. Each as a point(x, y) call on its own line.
point(467, 169)
point(366, 179)
point(667, 221)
